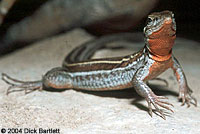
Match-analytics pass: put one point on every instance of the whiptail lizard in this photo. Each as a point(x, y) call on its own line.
point(120, 72)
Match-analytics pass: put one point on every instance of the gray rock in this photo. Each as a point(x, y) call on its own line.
point(108, 112)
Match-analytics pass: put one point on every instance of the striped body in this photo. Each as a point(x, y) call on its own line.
point(99, 74)
point(113, 74)
point(106, 74)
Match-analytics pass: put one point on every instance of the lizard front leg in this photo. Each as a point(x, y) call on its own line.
point(185, 93)
point(144, 90)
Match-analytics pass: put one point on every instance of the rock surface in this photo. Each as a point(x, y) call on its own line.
point(94, 112)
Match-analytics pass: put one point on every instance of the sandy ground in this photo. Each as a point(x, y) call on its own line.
point(110, 112)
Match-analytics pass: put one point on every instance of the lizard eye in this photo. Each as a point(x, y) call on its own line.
point(149, 21)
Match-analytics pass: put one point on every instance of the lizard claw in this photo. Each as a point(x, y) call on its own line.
point(156, 102)
point(27, 86)
point(186, 96)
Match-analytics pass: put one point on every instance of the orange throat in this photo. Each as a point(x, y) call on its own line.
point(160, 43)
point(161, 48)
point(160, 57)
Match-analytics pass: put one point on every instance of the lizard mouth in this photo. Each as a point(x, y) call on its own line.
point(172, 33)
point(167, 35)
point(169, 29)
point(164, 32)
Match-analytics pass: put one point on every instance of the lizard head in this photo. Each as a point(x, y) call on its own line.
point(160, 33)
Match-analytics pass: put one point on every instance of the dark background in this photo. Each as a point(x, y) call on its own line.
point(187, 14)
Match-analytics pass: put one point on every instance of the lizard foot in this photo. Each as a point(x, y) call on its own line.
point(186, 96)
point(27, 86)
point(158, 101)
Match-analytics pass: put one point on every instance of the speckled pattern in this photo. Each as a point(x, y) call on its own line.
point(94, 112)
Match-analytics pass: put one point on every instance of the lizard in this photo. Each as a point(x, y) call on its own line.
point(116, 73)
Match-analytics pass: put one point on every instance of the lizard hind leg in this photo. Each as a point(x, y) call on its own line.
point(58, 78)
point(27, 86)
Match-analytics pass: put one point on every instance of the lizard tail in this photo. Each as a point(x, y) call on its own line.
point(27, 86)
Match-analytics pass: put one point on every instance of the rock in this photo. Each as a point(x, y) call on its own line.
point(93, 112)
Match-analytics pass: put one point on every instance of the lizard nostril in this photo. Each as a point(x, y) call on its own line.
point(168, 20)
